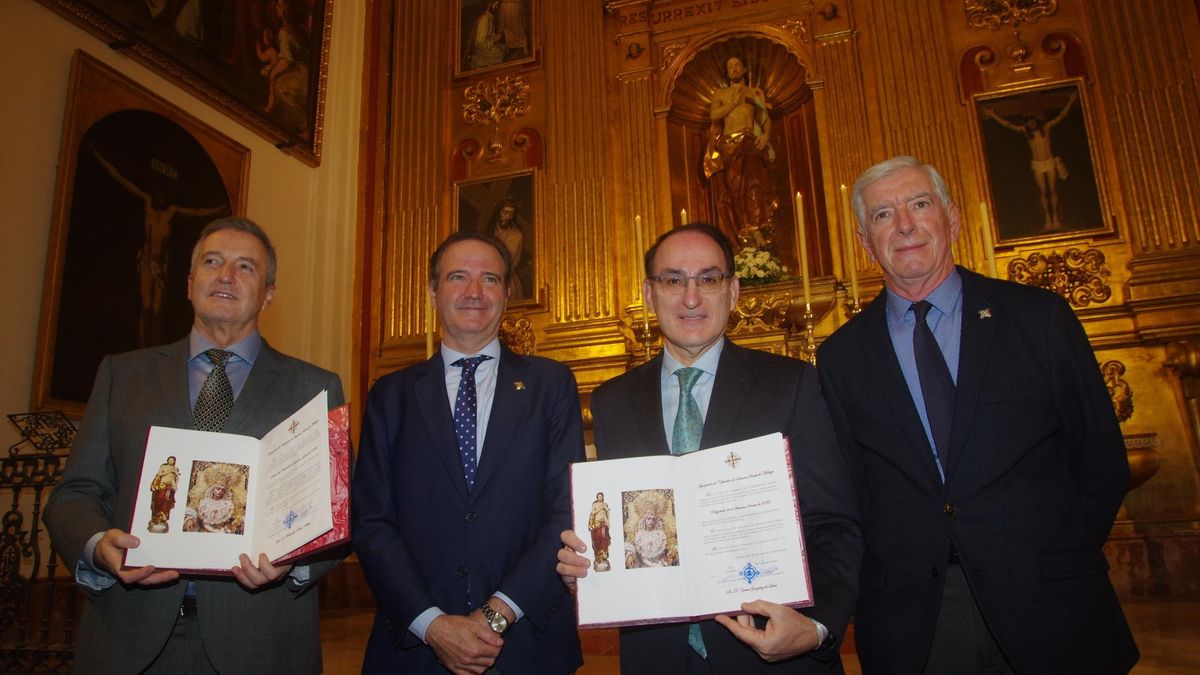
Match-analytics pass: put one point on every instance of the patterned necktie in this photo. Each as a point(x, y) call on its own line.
point(216, 396)
point(689, 425)
point(937, 387)
point(685, 438)
point(465, 419)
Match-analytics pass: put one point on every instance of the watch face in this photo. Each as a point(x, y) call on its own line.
point(498, 622)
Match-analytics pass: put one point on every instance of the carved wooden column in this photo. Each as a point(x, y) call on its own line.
point(1183, 359)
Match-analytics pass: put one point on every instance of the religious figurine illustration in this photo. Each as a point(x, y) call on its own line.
point(153, 258)
point(653, 542)
point(1046, 167)
point(736, 159)
point(601, 536)
point(162, 496)
point(216, 510)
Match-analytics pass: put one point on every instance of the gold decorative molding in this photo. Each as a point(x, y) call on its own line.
point(516, 333)
point(996, 14)
point(488, 102)
point(669, 53)
point(1080, 276)
point(797, 27)
point(1118, 389)
point(759, 312)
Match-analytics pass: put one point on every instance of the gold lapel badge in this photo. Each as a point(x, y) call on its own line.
point(519, 385)
point(985, 313)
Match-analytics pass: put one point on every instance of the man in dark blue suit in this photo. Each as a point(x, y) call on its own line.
point(461, 490)
point(987, 458)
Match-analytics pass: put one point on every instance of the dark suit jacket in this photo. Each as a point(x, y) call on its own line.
point(1035, 473)
point(755, 393)
point(424, 541)
point(273, 630)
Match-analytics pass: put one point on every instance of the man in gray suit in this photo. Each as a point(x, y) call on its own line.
point(222, 377)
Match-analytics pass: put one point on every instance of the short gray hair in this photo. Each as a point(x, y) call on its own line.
point(241, 225)
point(886, 168)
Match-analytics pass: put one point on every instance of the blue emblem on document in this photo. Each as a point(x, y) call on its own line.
point(290, 519)
point(749, 573)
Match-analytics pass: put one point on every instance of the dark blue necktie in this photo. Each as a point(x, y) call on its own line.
point(465, 416)
point(937, 387)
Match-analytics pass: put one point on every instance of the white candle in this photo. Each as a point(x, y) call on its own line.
point(637, 248)
point(989, 249)
point(683, 217)
point(848, 241)
point(803, 239)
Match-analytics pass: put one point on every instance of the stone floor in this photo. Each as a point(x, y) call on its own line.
point(1167, 633)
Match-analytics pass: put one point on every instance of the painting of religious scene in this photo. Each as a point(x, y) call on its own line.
point(1039, 163)
point(143, 190)
point(504, 208)
point(651, 535)
point(216, 498)
point(259, 60)
point(493, 34)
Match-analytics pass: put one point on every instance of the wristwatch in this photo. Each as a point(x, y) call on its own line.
point(495, 619)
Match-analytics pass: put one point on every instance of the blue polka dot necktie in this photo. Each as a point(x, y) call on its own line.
point(685, 438)
point(465, 415)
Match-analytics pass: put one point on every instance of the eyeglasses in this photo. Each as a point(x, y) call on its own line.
point(676, 284)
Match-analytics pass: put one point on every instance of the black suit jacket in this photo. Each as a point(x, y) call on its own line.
point(1035, 473)
point(272, 630)
point(755, 393)
point(425, 541)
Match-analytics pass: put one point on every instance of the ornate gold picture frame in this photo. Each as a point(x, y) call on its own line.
point(137, 180)
point(506, 208)
point(1041, 163)
point(262, 62)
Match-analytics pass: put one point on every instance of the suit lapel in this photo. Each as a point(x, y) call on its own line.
point(508, 409)
point(430, 392)
point(648, 413)
point(978, 331)
point(731, 390)
point(260, 386)
point(173, 382)
point(881, 358)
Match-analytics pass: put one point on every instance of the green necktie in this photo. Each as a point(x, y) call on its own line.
point(685, 438)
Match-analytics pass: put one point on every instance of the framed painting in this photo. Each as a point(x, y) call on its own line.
point(504, 207)
point(494, 34)
point(1041, 165)
point(262, 62)
point(137, 181)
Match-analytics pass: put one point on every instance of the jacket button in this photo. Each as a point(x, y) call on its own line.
point(460, 571)
point(471, 516)
point(948, 509)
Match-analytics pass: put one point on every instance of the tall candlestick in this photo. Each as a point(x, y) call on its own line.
point(803, 239)
point(989, 249)
point(637, 247)
point(683, 217)
point(848, 242)
point(428, 324)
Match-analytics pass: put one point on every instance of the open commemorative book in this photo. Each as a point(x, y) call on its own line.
point(683, 538)
point(204, 498)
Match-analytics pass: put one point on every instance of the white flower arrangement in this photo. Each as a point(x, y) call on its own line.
point(754, 266)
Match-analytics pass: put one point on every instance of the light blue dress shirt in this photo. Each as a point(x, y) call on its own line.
point(945, 321)
point(701, 389)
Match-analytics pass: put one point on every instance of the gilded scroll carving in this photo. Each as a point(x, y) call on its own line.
point(1080, 276)
point(517, 335)
point(797, 27)
point(759, 312)
point(503, 98)
point(669, 53)
point(995, 14)
point(1118, 389)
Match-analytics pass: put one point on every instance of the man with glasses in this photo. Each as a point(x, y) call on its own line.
point(705, 391)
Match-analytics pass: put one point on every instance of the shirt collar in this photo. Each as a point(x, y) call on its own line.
point(707, 362)
point(945, 297)
point(246, 349)
point(491, 349)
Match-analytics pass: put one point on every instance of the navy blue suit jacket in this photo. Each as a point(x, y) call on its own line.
point(1035, 473)
point(425, 541)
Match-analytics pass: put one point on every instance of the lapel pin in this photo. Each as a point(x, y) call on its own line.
point(985, 313)
point(519, 385)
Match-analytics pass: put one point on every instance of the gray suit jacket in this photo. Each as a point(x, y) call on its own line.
point(273, 630)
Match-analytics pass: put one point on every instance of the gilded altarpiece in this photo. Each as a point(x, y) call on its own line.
point(610, 116)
